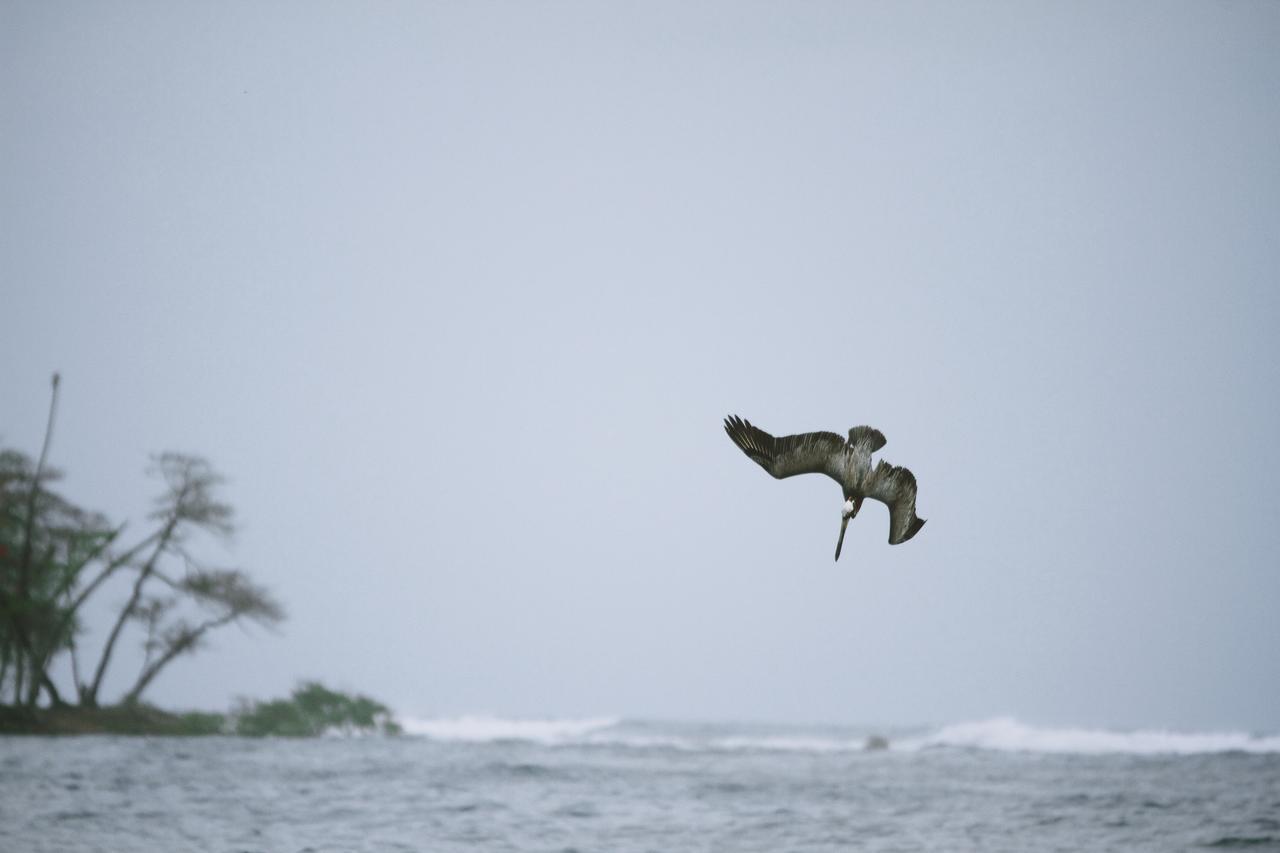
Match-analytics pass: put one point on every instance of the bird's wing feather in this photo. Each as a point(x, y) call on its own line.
point(896, 487)
point(869, 437)
point(805, 453)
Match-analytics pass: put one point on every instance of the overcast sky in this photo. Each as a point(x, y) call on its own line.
point(457, 295)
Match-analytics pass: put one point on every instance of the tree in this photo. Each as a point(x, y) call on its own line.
point(226, 594)
point(55, 556)
point(311, 711)
point(45, 544)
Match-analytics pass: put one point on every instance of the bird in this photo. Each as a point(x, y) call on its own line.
point(848, 462)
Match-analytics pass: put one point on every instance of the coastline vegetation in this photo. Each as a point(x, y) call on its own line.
point(56, 556)
point(312, 710)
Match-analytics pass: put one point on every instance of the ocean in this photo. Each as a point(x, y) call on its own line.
point(621, 785)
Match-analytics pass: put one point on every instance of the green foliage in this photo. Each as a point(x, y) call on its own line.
point(279, 717)
point(195, 723)
point(313, 710)
point(136, 720)
point(46, 543)
point(55, 556)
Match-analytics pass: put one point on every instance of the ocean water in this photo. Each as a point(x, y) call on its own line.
point(609, 785)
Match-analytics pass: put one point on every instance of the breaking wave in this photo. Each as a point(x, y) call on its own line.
point(612, 731)
point(1009, 735)
point(1002, 734)
point(479, 729)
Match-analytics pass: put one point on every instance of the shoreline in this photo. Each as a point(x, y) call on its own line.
point(137, 720)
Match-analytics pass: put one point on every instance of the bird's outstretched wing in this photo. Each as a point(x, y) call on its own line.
point(896, 487)
point(806, 453)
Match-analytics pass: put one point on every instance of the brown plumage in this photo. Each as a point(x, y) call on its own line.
point(847, 461)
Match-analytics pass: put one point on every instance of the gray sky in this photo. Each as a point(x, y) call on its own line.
point(456, 295)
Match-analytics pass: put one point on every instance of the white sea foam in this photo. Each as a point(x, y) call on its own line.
point(783, 743)
point(612, 731)
point(1009, 735)
point(1003, 734)
point(476, 729)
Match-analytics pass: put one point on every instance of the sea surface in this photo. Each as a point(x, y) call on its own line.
point(619, 785)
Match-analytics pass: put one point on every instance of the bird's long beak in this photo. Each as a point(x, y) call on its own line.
point(844, 522)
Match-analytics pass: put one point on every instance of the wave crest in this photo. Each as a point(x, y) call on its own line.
point(1008, 735)
point(1003, 734)
point(479, 729)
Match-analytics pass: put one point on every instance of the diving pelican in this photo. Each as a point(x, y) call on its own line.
point(846, 462)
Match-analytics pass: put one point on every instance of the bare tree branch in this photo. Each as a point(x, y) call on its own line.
point(231, 595)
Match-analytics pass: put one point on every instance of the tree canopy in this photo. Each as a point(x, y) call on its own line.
point(313, 710)
point(55, 556)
